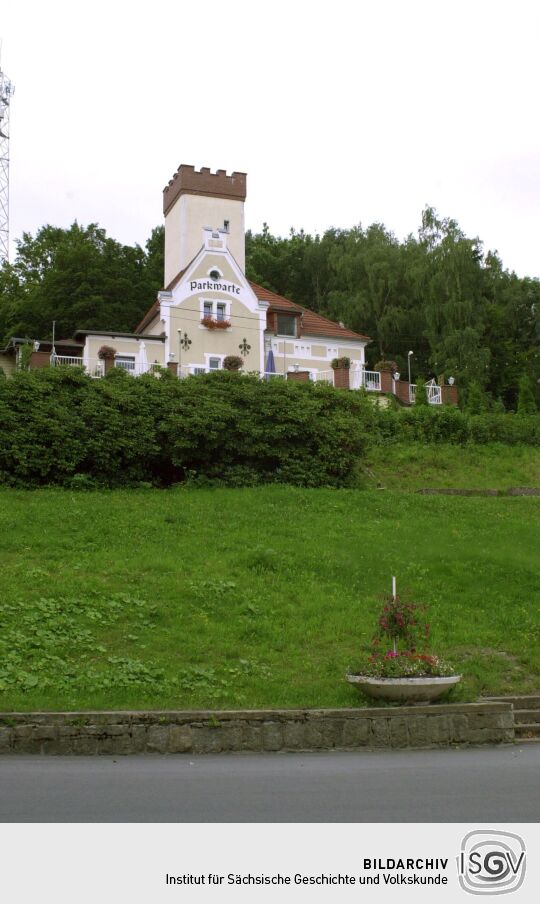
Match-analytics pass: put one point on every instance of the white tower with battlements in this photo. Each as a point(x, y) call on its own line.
point(194, 200)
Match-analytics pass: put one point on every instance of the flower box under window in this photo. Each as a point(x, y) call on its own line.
point(215, 323)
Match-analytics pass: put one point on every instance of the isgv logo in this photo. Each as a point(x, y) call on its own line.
point(491, 862)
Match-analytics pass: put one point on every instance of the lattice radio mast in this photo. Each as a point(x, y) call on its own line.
point(6, 93)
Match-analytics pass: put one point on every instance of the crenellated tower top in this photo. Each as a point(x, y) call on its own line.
point(189, 181)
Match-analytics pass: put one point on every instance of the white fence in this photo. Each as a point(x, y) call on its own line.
point(368, 379)
point(71, 361)
point(190, 370)
point(322, 376)
point(358, 378)
point(95, 367)
point(434, 394)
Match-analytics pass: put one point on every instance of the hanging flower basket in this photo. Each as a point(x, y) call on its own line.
point(232, 362)
point(106, 352)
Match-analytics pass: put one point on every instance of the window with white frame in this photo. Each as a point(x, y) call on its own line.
point(214, 363)
point(126, 362)
point(218, 310)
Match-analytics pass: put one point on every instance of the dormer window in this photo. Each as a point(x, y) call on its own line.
point(286, 325)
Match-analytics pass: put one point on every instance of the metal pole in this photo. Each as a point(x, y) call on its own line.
point(53, 350)
point(393, 600)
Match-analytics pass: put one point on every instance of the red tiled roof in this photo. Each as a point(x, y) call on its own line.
point(312, 324)
point(150, 314)
point(177, 278)
point(155, 307)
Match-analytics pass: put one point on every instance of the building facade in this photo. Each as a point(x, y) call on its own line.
point(209, 310)
point(209, 315)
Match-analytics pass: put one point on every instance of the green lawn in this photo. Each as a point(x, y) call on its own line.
point(412, 466)
point(254, 597)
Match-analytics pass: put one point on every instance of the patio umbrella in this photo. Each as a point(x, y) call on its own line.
point(270, 364)
point(143, 358)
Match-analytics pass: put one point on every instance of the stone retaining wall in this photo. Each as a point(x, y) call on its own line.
point(255, 730)
point(513, 491)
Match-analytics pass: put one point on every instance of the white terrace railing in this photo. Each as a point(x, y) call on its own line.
point(322, 376)
point(95, 367)
point(369, 379)
point(137, 370)
point(434, 394)
point(190, 370)
point(372, 380)
point(72, 361)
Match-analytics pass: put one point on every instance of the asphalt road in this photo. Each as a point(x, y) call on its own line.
point(499, 784)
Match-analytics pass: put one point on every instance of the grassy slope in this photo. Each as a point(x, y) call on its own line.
point(412, 466)
point(254, 597)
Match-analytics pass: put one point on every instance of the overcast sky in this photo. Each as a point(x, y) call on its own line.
point(340, 113)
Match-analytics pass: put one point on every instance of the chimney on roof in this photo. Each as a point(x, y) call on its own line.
point(195, 199)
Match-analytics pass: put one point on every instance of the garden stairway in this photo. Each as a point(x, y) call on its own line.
point(526, 717)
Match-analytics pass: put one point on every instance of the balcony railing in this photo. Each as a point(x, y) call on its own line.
point(70, 360)
point(358, 378)
point(192, 370)
point(95, 367)
point(368, 379)
point(322, 376)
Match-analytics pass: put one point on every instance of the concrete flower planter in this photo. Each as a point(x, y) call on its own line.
point(403, 690)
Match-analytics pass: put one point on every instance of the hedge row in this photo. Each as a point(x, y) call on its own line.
point(448, 424)
point(59, 426)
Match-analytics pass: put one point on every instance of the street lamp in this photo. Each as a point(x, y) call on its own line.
point(409, 364)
